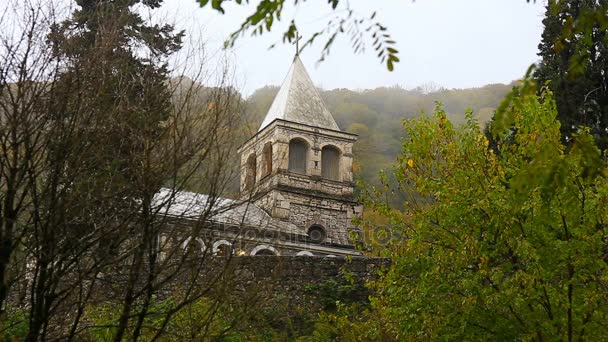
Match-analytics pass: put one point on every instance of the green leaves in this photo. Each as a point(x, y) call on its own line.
point(217, 4)
point(574, 52)
point(360, 29)
point(502, 247)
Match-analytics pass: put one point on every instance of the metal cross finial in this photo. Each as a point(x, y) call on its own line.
point(297, 42)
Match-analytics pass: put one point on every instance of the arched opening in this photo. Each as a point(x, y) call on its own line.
point(316, 234)
point(298, 150)
point(330, 163)
point(264, 250)
point(194, 244)
point(250, 171)
point(267, 159)
point(304, 253)
point(222, 248)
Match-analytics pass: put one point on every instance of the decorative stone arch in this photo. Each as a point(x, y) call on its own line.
point(304, 253)
point(266, 159)
point(222, 248)
point(302, 137)
point(264, 250)
point(331, 157)
point(200, 241)
point(332, 145)
point(298, 155)
point(250, 171)
point(317, 233)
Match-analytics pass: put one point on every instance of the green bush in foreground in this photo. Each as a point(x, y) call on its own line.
point(13, 325)
point(507, 244)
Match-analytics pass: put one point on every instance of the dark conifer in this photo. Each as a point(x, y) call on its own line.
point(574, 52)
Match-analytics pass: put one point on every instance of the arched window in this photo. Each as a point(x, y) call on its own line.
point(316, 234)
point(222, 248)
point(298, 149)
point(304, 253)
point(264, 250)
point(330, 163)
point(250, 171)
point(267, 159)
point(196, 243)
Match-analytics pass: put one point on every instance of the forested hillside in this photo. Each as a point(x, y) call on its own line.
point(376, 116)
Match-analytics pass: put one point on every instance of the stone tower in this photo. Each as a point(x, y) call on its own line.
point(298, 166)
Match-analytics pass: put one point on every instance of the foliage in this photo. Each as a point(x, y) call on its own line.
point(190, 323)
point(375, 116)
point(509, 246)
point(92, 128)
point(268, 12)
point(333, 293)
point(574, 52)
point(275, 317)
point(96, 42)
point(13, 324)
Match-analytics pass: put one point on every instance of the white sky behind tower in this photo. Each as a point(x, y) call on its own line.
point(454, 44)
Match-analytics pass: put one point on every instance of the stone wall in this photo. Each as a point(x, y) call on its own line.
point(290, 271)
point(307, 199)
point(280, 133)
point(304, 283)
point(306, 202)
point(334, 216)
point(283, 297)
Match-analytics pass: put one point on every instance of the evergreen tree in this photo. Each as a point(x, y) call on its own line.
point(116, 61)
point(108, 105)
point(574, 52)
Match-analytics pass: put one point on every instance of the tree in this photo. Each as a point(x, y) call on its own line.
point(26, 74)
point(509, 246)
point(361, 28)
point(574, 52)
point(122, 101)
point(92, 129)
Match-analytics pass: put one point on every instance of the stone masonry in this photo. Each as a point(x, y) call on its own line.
point(304, 199)
point(317, 199)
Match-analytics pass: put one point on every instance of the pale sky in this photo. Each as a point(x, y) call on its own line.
point(453, 43)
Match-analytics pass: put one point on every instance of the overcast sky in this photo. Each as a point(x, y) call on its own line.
point(453, 43)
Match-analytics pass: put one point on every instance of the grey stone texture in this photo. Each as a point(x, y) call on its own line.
point(299, 101)
point(303, 199)
point(302, 196)
point(291, 271)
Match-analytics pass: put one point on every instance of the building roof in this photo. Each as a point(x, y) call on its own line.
point(299, 101)
point(190, 205)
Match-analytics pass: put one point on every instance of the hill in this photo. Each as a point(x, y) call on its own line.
point(376, 116)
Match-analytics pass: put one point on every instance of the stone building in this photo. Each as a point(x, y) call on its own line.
point(297, 189)
point(298, 167)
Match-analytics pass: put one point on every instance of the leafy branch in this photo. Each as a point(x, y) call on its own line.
point(358, 27)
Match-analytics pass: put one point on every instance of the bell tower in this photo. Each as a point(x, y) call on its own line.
point(298, 166)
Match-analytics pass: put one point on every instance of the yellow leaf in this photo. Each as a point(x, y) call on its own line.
point(410, 163)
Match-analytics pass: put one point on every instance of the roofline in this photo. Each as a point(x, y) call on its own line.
point(298, 75)
point(325, 247)
point(296, 123)
point(311, 126)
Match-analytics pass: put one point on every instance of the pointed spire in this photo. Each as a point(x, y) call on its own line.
point(299, 101)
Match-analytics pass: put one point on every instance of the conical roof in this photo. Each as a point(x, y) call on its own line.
point(298, 101)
